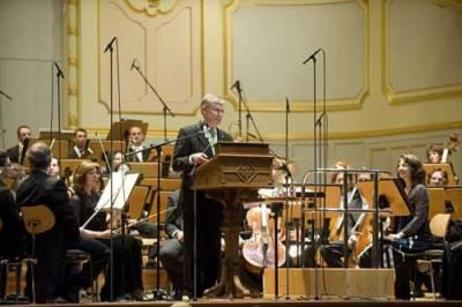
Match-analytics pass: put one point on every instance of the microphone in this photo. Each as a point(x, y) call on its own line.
point(287, 105)
point(60, 72)
point(109, 46)
point(312, 56)
point(6, 95)
point(237, 85)
point(134, 64)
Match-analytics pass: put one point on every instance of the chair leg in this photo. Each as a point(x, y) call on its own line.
point(432, 280)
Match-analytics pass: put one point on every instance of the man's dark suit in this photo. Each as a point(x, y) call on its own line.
point(209, 211)
point(134, 158)
point(13, 154)
point(171, 252)
point(40, 188)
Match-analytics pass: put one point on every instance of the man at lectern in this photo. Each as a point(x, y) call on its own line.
point(195, 147)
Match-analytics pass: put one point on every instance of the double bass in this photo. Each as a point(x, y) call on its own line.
point(259, 251)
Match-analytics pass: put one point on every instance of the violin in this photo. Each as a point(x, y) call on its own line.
point(451, 146)
point(259, 251)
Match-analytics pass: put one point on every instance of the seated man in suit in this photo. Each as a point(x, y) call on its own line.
point(80, 149)
point(136, 138)
point(15, 153)
point(171, 252)
point(39, 188)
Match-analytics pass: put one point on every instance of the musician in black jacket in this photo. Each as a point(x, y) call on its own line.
point(40, 188)
point(195, 147)
point(15, 153)
point(11, 231)
point(171, 252)
point(80, 149)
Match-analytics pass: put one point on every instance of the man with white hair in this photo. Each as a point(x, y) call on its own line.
point(195, 147)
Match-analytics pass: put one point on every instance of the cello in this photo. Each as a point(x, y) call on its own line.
point(259, 250)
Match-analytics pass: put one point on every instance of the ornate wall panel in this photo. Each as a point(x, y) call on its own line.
point(165, 38)
point(422, 51)
point(267, 41)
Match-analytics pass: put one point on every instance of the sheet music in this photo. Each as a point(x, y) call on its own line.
point(123, 184)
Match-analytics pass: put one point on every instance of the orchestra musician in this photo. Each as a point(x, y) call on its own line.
point(411, 234)
point(193, 148)
point(11, 237)
point(438, 178)
point(435, 153)
point(136, 138)
point(127, 265)
point(15, 153)
point(333, 252)
point(80, 149)
point(40, 188)
point(171, 252)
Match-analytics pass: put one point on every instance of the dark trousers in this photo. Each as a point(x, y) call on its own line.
point(209, 219)
point(100, 257)
point(405, 268)
point(332, 254)
point(171, 256)
point(127, 268)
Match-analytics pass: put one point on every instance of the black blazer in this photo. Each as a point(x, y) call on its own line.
point(174, 220)
point(13, 154)
point(40, 188)
point(134, 158)
point(193, 141)
point(11, 232)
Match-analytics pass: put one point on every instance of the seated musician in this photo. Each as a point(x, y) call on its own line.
point(411, 233)
point(333, 252)
point(10, 221)
point(54, 169)
point(438, 178)
point(80, 149)
point(127, 265)
point(171, 252)
point(136, 139)
point(16, 152)
point(40, 189)
point(435, 153)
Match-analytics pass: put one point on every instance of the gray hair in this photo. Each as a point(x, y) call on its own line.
point(209, 99)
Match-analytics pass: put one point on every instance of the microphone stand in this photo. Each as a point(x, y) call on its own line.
point(2, 129)
point(59, 75)
point(158, 148)
point(248, 116)
point(165, 108)
point(110, 48)
point(316, 166)
point(288, 188)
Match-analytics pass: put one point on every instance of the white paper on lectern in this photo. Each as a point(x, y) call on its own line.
point(119, 195)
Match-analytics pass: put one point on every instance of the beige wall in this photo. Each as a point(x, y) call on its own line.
point(394, 68)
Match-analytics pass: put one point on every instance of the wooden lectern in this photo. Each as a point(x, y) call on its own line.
point(232, 176)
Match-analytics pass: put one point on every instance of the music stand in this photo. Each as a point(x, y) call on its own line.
point(447, 167)
point(69, 165)
point(391, 190)
point(97, 147)
point(123, 127)
point(454, 195)
point(66, 134)
point(148, 169)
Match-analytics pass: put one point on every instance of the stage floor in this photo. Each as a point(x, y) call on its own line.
point(426, 302)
